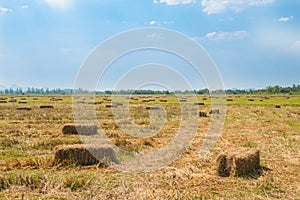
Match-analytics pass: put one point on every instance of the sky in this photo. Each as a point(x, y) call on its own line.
point(253, 43)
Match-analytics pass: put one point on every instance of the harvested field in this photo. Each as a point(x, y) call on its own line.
point(29, 140)
point(117, 104)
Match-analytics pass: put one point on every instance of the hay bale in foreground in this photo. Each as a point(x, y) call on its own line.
point(82, 129)
point(238, 162)
point(80, 154)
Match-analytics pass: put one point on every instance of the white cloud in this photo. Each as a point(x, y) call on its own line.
point(211, 34)
point(4, 11)
point(24, 7)
point(60, 4)
point(159, 23)
point(235, 35)
point(152, 22)
point(217, 6)
point(174, 2)
point(285, 19)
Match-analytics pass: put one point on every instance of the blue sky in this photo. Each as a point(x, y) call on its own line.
point(254, 43)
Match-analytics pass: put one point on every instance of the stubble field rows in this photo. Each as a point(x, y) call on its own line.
point(28, 137)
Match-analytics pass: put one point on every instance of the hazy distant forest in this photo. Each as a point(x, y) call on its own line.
point(295, 89)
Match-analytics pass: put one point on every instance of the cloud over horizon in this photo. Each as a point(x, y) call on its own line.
point(235, 35)
point(174, 2)
point(218, 6)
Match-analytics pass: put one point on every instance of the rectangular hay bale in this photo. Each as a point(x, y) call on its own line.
point(46, 107)
point(80, 154)
point(24, 108)
point(202, 114)
point(152, 107)
point(199, 104)
point(82, 129)
point(238, 162)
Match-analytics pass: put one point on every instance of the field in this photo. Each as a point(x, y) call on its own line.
point(28, 137)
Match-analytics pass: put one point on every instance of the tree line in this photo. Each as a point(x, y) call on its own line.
point(294, 89)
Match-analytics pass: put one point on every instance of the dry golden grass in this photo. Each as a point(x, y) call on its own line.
point(27, 139)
